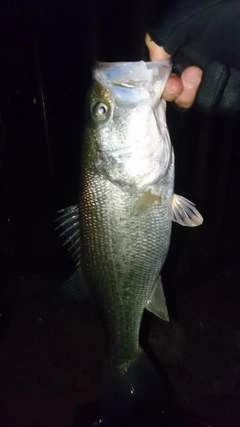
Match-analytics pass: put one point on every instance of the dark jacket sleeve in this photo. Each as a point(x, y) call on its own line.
point(205, 33)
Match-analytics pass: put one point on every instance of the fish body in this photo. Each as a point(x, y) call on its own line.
point(126, 208)
point(125, 230)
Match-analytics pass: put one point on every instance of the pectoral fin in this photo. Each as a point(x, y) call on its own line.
point(185, 213)
point(157, 302)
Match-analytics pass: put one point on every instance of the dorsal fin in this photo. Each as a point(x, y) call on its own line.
point(69, 222)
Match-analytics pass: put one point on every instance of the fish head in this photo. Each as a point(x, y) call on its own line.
point(126, 135)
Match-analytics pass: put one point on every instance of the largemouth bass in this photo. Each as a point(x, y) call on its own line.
point(120, 230)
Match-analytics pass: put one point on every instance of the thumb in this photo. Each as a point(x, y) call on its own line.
point(156, 52)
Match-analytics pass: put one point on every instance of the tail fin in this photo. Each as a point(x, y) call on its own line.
point(131, 385)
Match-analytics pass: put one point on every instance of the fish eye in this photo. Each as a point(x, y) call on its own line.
point(101, 111)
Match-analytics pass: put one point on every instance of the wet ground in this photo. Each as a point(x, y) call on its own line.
point(52, 352)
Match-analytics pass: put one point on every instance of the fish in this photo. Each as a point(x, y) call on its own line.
point(119, 231)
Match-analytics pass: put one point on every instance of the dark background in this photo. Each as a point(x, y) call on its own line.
point(47, 50)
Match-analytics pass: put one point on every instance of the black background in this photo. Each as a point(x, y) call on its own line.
point(47, 50)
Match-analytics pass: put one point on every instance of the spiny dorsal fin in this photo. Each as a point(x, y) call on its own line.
point(157, 302)
point(184, 212)
point(69, 222)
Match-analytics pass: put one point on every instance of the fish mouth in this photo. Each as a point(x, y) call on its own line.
point(131, 84)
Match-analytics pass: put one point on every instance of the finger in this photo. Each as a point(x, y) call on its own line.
point(173, 88)
point(156, 52)
point(191, 79)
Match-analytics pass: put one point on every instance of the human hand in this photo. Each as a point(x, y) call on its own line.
point(203, 39)
point(182, 90)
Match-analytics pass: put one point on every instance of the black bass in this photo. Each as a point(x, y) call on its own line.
point(121, 228)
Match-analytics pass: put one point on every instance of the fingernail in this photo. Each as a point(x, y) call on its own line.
point(173, 85)
point(171, 89)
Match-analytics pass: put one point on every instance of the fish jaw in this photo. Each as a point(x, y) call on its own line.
point(131, 147)
point(146, 81)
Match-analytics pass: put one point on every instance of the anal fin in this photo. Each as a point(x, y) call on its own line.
point(157, 302)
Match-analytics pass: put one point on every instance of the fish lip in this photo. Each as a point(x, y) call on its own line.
point(140, 77)
point(149, 64)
